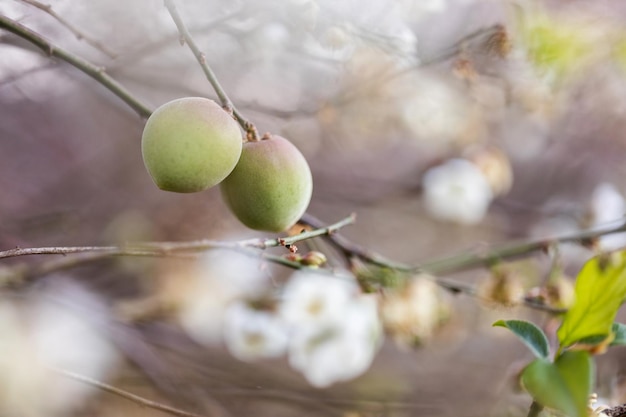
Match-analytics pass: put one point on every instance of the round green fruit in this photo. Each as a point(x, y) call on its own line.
point(271, 186)
point(190, 144)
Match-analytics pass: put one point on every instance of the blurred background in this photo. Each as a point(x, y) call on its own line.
point(445, 125)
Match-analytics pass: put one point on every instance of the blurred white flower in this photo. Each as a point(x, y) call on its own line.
point(267, 41)
point(221, 277)
point(413, 313)
point(334, 351)
point(435, 111)
point(310, 298)
point(40, 335)
point(404, 41)
point(301, 14)
point(607, 206)
point(457, 191)
point(336, 37)
point(418, 9)
point(250, 334)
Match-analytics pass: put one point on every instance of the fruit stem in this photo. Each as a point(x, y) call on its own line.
point(185, 37)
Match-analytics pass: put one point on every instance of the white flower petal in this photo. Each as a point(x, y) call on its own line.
point(333, 351)
point(251, 334)
point(222, 277)
point(457, 191)
point(608, 205)
point(310, 298)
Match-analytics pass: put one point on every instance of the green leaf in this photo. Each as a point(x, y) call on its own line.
point(545, 384)
point(564, 385)
point(619, 330)
point(576, 368)
point(531, 335)
point(600, 290)
point(592, 340)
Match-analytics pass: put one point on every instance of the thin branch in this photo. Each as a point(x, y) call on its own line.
point(478, 36)
point(61, 250)
point(95, 72)
point(151, 48)
point(251, 131)
point(144, 402)
point(77, 32)
point(350, 249)
point(467, 261)
point(462, 262)
point(492, 256)
point(23, 273)
point(75, 256)
point(169, 248)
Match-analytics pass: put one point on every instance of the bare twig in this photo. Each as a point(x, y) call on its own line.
point(169, 248)
point(146, 50)
point(468, 261)
point(144, 402)
point(95, 72)
point(75, 256)
point(456, 263)
point(350, 249)
point(23, 273)
point(478, 36)
point(80, 35)
point(66, 250)
point(250, 129)
point(492, 256)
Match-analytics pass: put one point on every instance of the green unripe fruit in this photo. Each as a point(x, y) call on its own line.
point(190, 144)
point(271, 186)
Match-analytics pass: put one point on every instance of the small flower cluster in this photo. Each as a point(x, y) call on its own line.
point(327, 327)
point(335, 331)
point(457, 191)
point(461, 189)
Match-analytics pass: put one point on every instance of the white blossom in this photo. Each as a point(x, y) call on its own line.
point(608, 206)
point(334, 331)
point(404, 41)
point(339, 350)
point(337, 37)
point(418, 9)
point(457, 191)
point(435, 112)
point(314, 298)
point(250, 334)
point(221, 277)
point(40, 335)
